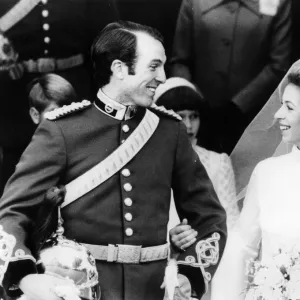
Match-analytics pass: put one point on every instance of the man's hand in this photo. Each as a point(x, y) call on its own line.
point(41, 286)
point(182, 236)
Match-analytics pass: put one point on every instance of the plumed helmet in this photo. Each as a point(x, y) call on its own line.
point(69, 259)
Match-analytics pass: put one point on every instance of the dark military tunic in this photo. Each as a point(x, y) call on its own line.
point(52, 29)
point(65, 148)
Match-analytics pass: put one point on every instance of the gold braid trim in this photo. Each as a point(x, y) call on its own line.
point(207, 255)
point(7, 244)
point(168, 112)
point(66, 110)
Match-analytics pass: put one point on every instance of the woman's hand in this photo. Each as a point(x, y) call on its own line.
point(182, 236)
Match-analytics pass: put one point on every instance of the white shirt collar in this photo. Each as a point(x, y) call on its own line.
point(113, 108)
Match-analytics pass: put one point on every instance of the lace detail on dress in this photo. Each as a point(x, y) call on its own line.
point(220, 172)
point(226, 190)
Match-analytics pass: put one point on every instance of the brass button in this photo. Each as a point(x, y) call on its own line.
point(122, 141)
point(46, 26)
point(125, 128)
point(44, 1)
point(128, 202)
point(45, 13)
point(127, 187)
point(128, 217)
point(125, 172)
point(47, 40)
point(129, 232)
point(46, 52)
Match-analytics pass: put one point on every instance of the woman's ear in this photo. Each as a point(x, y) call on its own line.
point(118, 69)
point(35, 115)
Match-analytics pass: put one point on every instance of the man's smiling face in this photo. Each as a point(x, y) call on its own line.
point(140, 88)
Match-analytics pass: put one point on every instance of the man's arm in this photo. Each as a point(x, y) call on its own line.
point(261, 87)
point(196, 200)
point(182, 47)
point(39, 169)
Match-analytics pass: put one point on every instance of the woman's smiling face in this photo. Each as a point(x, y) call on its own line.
point(288, 115)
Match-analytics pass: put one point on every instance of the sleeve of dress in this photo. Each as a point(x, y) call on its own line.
point(196, 200)
point(39, 169)
point(181, 58)
point(243, 244)
point(226, 190)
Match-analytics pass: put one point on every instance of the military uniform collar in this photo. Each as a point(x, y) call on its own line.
point(113, 108)
point(207, 5)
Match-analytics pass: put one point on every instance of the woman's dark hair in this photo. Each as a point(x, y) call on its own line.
point(294, 78)
point(117, 41)
point(50, 88)
point(186, 98)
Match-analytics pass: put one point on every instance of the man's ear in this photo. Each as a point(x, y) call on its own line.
point(35, 115)
point(119, 69)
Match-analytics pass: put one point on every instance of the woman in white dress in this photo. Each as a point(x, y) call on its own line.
point(270, 218)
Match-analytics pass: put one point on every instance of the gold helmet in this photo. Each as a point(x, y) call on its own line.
point(68, 259)
point(64, 258)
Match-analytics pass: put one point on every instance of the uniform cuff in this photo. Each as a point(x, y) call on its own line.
point(15, 272)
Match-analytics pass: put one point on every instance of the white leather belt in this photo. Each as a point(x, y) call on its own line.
point(44, 65)
point(47, 65)
point(128, 254)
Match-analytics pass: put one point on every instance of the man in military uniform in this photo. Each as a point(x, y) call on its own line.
point(42, 36)
point(119, 159)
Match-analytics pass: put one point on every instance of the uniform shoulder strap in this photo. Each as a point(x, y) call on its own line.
point(19, 11)
point(167, 112)
point(67, 110)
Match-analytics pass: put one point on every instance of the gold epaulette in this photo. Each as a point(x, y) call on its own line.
point(165, 111)
point(67, 109)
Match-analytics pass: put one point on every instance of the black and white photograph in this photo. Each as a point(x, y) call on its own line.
point(149, 149)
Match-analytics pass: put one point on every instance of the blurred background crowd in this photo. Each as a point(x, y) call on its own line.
point(234, 54)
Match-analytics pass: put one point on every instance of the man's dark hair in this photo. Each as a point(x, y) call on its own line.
point(294, 78)
point(50, 88)
point(117, 41)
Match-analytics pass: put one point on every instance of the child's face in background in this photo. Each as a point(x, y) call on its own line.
point(191, 119)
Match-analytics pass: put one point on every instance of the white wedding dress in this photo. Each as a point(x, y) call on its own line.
point(269, 221)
